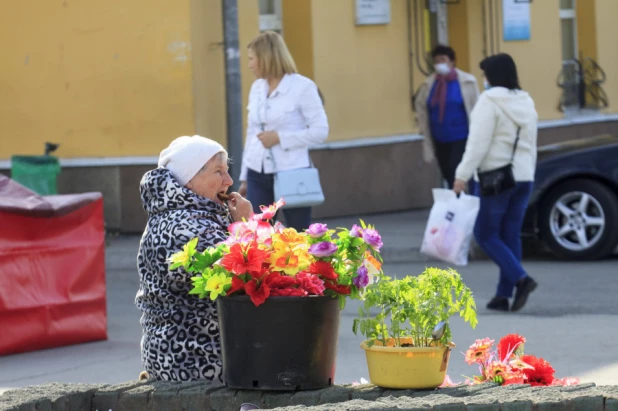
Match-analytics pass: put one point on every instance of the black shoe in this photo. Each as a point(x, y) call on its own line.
point(498, 303)
point(524, 287)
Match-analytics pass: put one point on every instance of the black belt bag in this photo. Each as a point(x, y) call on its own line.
point(498, 180)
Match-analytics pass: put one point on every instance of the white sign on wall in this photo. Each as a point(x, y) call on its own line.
point(516, 20)
point(373, 12)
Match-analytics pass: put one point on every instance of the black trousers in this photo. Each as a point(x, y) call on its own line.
point(449, 156)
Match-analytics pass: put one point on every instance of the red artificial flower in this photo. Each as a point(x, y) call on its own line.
point(262, 273)
point(542, 374)
point(288, 292)
point(510, 343)
point(323, 269)
point(310, 283)
point(244, 258)
point(513, 380)
point(278, 281)
point(237, 285)
point(339, 289)
point(258, 293)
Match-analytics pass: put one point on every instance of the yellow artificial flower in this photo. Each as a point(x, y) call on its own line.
point(216, 285)
point(289, 260)
point(372, 264)
point(183, 258)
point(290, 237)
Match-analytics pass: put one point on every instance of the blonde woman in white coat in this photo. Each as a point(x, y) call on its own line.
point(285, 117)
point(502, 113)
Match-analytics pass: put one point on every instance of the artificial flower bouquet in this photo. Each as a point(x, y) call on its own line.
point(507, 364)
point(263, 260)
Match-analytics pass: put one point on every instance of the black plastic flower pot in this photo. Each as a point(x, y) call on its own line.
point(287, 343)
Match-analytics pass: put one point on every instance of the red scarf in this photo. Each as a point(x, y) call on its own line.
point(439, 94)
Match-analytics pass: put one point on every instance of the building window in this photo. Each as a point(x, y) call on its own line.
point(270, 15)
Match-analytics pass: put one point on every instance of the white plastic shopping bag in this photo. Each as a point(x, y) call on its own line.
point(450, 226)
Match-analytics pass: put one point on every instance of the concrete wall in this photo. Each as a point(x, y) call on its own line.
point(356, 180)
point(194, 396)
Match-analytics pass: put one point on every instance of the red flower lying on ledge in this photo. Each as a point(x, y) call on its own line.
point(508, 365)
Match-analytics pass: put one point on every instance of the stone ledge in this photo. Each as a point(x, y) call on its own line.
point(149, 396)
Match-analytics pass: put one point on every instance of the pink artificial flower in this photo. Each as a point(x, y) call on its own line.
point(566, 382)
point(447, 382)
point(268, 212)
point(479, 351)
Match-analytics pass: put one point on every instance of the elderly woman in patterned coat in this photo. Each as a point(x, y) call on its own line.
point(180, 339)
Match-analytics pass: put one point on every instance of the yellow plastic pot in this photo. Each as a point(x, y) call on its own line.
point(406, 367)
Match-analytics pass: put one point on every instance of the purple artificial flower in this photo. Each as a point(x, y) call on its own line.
point(355, 231)
point(317, 230)
point(373, 239)
point(323, 249)
point(362, 279)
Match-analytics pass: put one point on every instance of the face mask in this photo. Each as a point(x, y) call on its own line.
point(486, 84)
point(442, 69)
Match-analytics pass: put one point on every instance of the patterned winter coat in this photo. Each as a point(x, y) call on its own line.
point(180, 339)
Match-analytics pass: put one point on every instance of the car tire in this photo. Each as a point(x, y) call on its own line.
point(578, 220)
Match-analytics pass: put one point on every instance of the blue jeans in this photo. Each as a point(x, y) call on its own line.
point(261, 191)
point(497, 231)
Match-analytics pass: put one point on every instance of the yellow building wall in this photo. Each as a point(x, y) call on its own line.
point(209, 64)
point(538, 60)
point(114, 78)
point(362, 71)
point(101, 78)
point(606, 12)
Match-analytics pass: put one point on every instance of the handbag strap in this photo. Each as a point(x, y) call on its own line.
point(263, 128)
point(515, 145)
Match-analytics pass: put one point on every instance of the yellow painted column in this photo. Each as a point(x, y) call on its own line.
point(458, 33)
point(607, 32)
point(298, 33)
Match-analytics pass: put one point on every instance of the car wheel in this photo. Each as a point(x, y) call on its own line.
point(578, 220)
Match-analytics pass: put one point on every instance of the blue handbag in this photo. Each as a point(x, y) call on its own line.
point(299, 187)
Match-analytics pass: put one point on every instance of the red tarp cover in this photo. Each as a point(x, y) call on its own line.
point(52, 269)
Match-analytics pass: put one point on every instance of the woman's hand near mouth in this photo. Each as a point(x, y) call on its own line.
point(240, 207)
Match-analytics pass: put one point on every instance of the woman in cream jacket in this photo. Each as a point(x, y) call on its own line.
point(494, 122)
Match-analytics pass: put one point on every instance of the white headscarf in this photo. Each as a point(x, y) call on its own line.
point(186, 155)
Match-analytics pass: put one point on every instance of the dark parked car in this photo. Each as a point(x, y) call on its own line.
point(574, 205)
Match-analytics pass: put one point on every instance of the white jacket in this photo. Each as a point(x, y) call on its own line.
point(493, 130)
point(295, 111)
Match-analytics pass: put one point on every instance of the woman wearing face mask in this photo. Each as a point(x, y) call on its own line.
point(185, 199)
point(285, 117)
point(443, 105)
point(502, 152)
